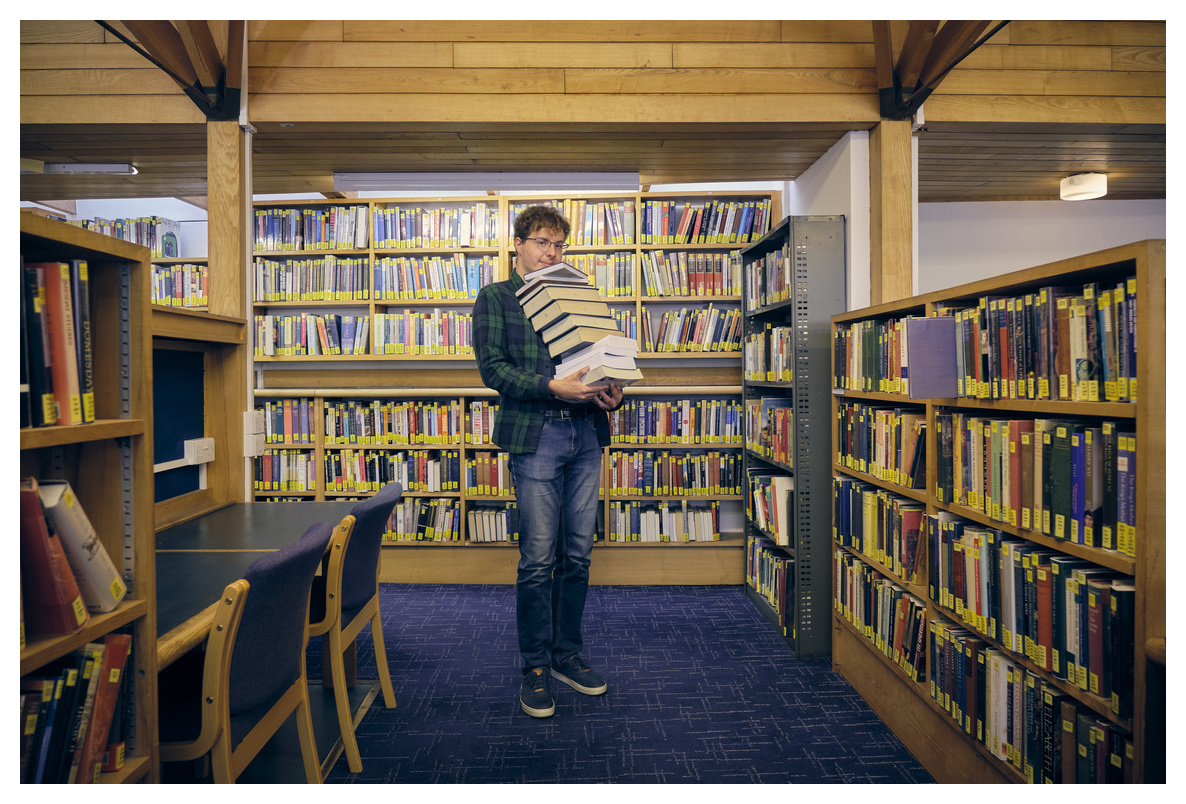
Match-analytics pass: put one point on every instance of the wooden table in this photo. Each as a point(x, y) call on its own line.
point(197, 559)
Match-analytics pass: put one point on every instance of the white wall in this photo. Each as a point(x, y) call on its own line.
point(838, 184)
point(964, 242)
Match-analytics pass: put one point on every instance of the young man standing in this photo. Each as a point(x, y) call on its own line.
point(554, 429)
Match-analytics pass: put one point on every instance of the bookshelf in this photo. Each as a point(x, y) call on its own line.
point(417, 284)
point(921, 698)
point(116, 445)
point(792, 282)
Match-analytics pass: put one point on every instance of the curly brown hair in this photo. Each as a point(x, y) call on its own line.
point(540, 216)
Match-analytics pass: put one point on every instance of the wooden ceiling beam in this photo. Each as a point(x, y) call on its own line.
point(952, 43)
point(202, 52)
point(915, 49)
point(161, 41)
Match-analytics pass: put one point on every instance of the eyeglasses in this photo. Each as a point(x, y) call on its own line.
point(544, 243)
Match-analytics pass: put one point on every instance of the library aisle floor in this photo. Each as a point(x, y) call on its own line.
point(701, 691)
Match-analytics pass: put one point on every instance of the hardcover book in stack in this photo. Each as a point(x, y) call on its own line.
point(578, 326)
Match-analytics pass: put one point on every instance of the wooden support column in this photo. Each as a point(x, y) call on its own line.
point(228, 209)
point(891, 212)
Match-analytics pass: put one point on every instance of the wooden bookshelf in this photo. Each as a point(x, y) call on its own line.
point(614, 260)
point(921, 719)
point(108, 463)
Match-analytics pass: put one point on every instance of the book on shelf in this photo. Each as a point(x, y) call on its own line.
point(928, 362)
point(51, 600)
point(116, 648)
point(80, 289)
point(98, 579)
point(62, 349)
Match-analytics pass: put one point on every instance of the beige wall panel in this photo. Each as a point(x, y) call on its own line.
point(100, 109)
point(1071, 32)
point(826, 31)
point(1061, 82)
point(994, 57)
point(66, 31)
point(1050, 109)
point(294, 30)
point(565, 109)
point(561, 31)
point(1138, 58)
point(572, 54)
point(348, 80)
point(794, 55)
point(354, 54)
point(55, 57)
point(720, 81)
point(150, 81)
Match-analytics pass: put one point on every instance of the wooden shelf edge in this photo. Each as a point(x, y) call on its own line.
point(60, 435)
point(171, 322)
point(43, 650)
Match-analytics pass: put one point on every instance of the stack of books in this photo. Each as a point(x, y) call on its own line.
point(578, 326)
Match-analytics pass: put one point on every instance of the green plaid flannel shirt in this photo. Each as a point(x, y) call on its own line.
point(514, 361)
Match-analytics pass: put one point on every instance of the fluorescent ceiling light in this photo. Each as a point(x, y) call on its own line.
point(77, 167)
point(32, 165)
point(453, 182)
point(1083, 186)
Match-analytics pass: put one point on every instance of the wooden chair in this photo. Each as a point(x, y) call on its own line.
point(253, 676)
point(346, 597)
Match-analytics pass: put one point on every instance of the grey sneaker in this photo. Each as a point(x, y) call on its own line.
point(575, 673)
point(535, 696)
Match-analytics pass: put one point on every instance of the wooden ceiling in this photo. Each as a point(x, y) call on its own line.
point(957, 162)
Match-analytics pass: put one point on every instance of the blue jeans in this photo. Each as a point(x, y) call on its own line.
point(557, 489)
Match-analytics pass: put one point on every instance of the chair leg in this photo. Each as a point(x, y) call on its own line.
point(308, 742)
point(381, 660)
point(342, 702)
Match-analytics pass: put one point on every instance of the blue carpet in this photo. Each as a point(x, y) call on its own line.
point(701, 691)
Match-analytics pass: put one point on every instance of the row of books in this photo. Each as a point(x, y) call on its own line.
point(887, 443)
point(489, 474)
point(594, 223)
point(66, 573)
point(769, 355)
point(769, 428)
point(435, 332)
point(770, 572)
point(57, 349)
point(650, 473)
point(693, 329)
point(696, 222)
point(690, 273)
point(1023, 719)
point(1067, 616)
point(768, 279)
point(285, 470)
point(421, 519)
point(473, 226)
point(311, 334)
point(72, 720)
point(894, 620)
point(612, 273)
point(311, 228)
point(433, 277)
point(1069, 479)
point(185, 285)
point(482, 413)
point(287, 421)
point(423, 422)
point(327, 278)
point(160, 235)
point(665, 521)
point(1072, 343)
point(881, 525)
point(488, 524)
point(362, 470)
point(770, 503)
point(676, 421)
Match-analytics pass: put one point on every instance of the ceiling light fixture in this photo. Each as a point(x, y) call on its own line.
point(120, 168)
point(1083, 186)
point(452, 182)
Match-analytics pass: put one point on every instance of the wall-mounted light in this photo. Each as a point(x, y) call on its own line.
point(1083, 186)
point(120, 168)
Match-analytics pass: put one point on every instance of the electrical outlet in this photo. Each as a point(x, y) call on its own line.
point(253, 422)
point(199, 450)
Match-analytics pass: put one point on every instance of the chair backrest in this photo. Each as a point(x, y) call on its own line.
point(270, 646)
point(361, 562)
